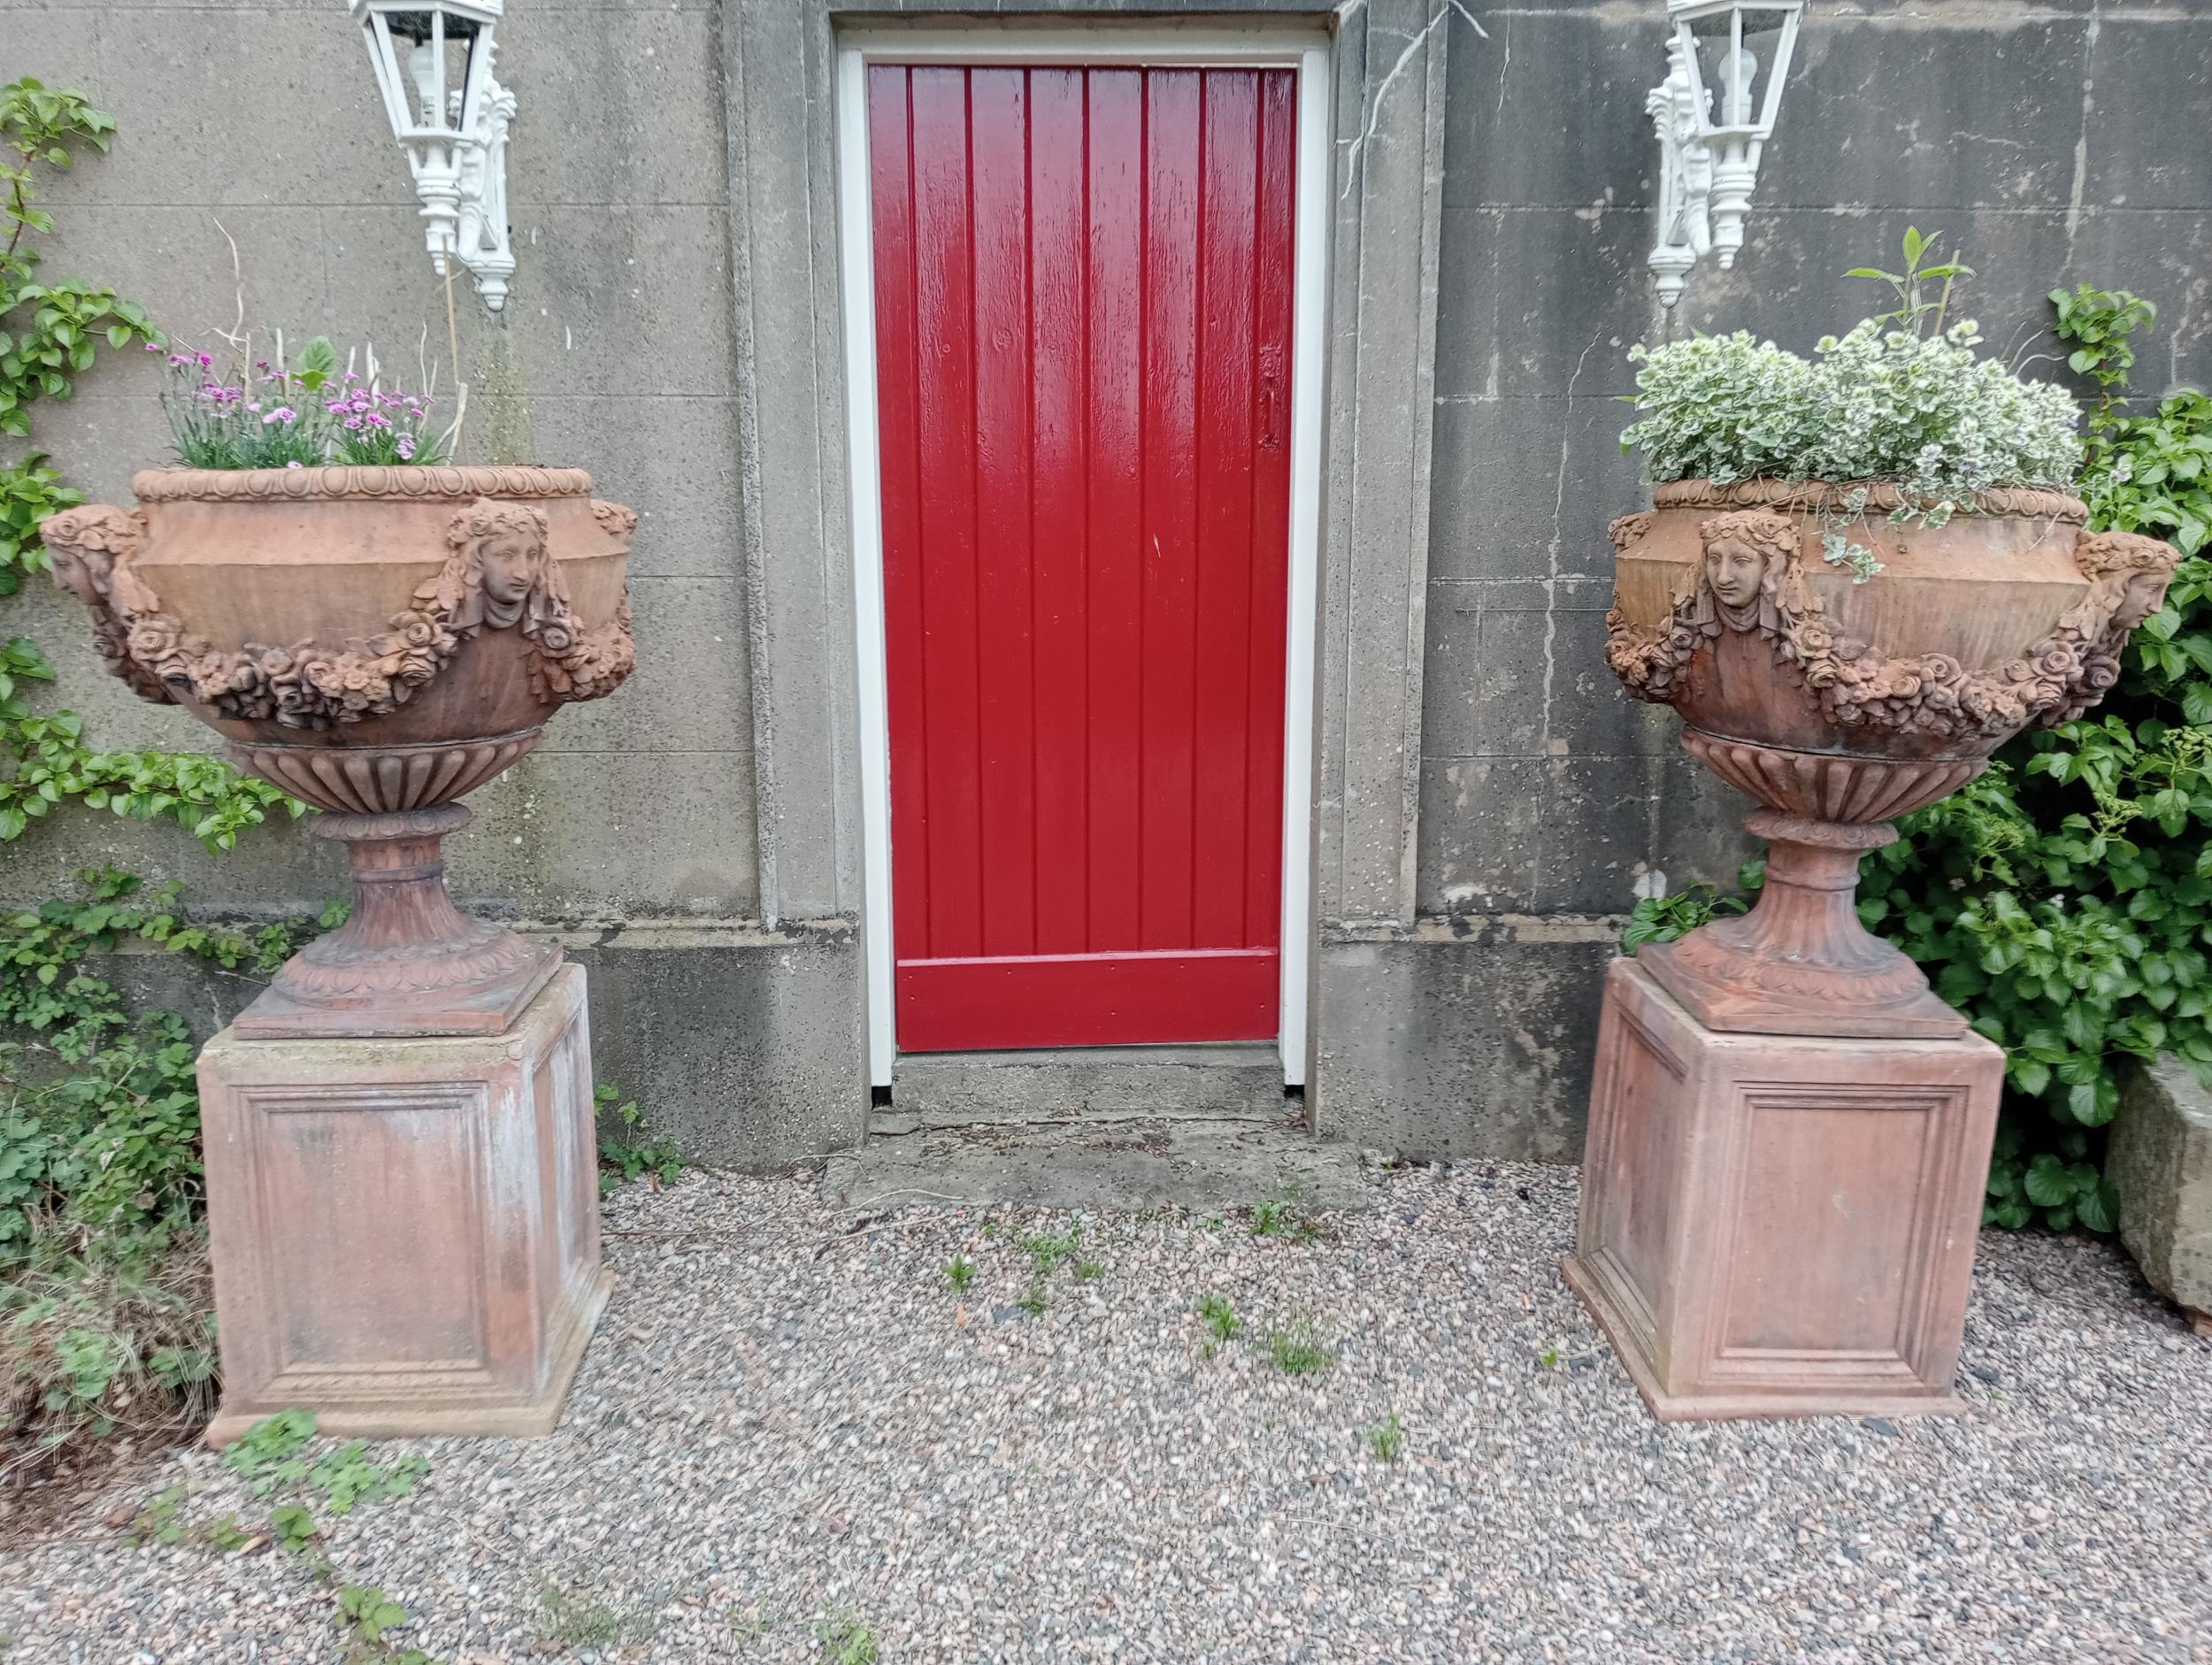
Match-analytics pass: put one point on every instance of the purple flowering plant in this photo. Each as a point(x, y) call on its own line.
point(302, 415)
point(372, 426)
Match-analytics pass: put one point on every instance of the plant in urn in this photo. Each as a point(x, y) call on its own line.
point(1857, 577)
point(397, 1134)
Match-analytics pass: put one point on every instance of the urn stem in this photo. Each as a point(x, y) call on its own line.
point(407, 963)
point(1801, 963)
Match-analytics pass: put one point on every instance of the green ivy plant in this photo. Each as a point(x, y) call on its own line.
point(49, 334)
point(2063, 901)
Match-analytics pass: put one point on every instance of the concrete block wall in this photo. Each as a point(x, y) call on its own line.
point(257, 122)
point(2051, 144)
point(683, 346)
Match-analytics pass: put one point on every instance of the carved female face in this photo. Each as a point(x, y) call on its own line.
point(2142, 597)
point(1734, 569)
point(508, 562)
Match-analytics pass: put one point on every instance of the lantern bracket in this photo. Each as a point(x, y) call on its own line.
point(452, 126)
point(1711, 137)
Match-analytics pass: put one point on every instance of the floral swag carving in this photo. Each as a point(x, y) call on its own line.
point(1751, 579)
point(497, 575)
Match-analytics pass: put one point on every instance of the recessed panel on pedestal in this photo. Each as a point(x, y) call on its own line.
point(335, 1172)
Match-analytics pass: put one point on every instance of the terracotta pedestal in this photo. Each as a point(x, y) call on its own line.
point(1780, 1225)
point(405, 1232)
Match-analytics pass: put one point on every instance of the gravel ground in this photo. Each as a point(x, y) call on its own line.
point(789, 1418)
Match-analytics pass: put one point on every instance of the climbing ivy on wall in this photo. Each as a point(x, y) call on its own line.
point(49, 334)
point(2063, 901)
point(103, 1307)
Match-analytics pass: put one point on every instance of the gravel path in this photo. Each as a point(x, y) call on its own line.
point(785, 1421)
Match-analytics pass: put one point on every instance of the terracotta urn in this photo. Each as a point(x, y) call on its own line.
point(1841, 706)
point(378, 641)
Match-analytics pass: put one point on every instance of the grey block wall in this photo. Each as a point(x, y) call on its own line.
point(1488, 800)
point(2050, 144)
point(259, 125)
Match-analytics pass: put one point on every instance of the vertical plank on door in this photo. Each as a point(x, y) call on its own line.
point(1222, 606)
point(1274, 265)
point(998, 146)
point(1169, 275)
point(945, 574)
point(1115, 175)
point(1059, 540)
point(898, 381)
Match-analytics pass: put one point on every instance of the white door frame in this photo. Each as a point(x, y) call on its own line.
point(1273, 45)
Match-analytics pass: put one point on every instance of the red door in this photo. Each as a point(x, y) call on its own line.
point(1083, 314)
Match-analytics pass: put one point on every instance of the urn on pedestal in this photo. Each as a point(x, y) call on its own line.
point(1789, 1131)
point(398, 1132)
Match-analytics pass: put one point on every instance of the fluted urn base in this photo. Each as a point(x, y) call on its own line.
point(1799, 962)
point(408, 962)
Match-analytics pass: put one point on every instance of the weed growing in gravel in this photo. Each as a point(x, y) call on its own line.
point(1296, 1349)
point(1089, 1269)
point(1549, 1358)
point(366, 1613)
point(575, 1621)
point(625, 1159)
point(1221, 1320)
point(1284, 1215)
point(160, 1521)
point(1387, 1439)
point(1048, 1250)
point(845, 1640)
point(269, 1457)
point(1034, 1302)
point(960, 1273)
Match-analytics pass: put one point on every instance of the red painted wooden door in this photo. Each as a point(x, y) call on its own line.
point(1083, 316)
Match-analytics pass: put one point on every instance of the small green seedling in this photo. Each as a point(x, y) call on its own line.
point(576, 1621)
point(1048, 1250)
point(845, 1640)
point(367, 1613)
point(625, 1159)
point(1295, 1349)
point(1285, 1215)
point(294, 1527)
point(157, 1521)
point(1034, 1302)
point(267, 1453)
point(1221, 1322)
point(1089, 1270)
point(1387, 1439)
point(960, 1273)
point(1549, 1358)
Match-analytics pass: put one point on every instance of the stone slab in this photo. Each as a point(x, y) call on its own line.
point(1184, 1163)
point(2160, 1160)
point(1780, 1225)
point(951, 1089)
point(405, 1232)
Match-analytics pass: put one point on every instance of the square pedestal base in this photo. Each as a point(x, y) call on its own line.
point(1780, 1225)
point(405, 1232)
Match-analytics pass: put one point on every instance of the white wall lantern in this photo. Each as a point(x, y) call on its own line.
point(1726, 62)
point(434, 64)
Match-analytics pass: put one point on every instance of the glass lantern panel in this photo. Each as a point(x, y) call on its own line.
point(1737, 48)
point(435, 46)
